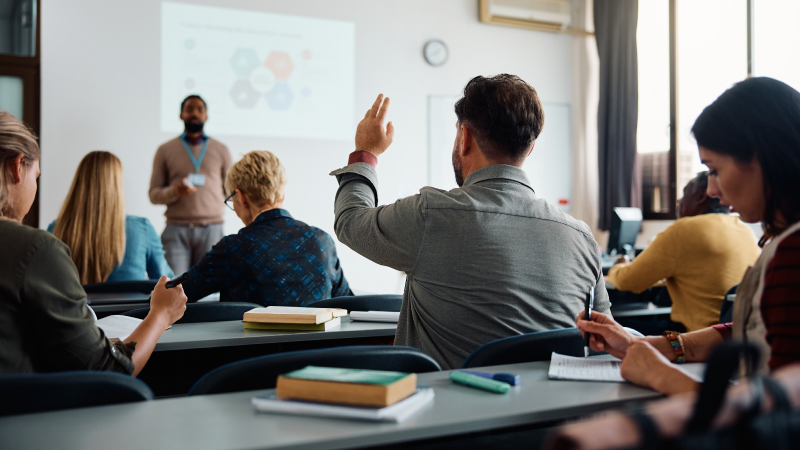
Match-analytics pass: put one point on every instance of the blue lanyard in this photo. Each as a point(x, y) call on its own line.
point(195, 161)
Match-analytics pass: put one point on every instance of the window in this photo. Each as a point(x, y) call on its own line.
point(776, 40)
point(690, 52)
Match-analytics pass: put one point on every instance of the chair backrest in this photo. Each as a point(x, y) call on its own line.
point(40, 392)
point(121, 287)
point(262, 372)
point(726, 312)
point(527, 348)
point(362, 303)
point(204, 312)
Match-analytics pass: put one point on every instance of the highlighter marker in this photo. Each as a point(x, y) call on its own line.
point(509, 378)
point(498, 387)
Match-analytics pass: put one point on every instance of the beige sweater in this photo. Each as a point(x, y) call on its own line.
point(172, 164)
point(701, 257)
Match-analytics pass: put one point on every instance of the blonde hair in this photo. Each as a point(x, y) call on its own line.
point(15, 140)
point(260, 175)
point(92, 220)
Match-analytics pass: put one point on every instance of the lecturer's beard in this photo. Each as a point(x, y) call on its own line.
point(192, 126)
point(457, 168)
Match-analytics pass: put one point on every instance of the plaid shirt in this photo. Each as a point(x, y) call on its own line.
point(276, 260)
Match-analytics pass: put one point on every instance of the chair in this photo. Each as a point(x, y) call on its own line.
point(362, 303)
point(120, 287)
point(204, 312)
point(40, 392)
point(527, 348)
point(262, 372)
point(726, 312)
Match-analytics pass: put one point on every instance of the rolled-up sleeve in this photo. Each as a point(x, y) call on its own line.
point(390, 235)
point(64, 329)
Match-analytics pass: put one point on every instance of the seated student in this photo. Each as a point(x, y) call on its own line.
point(702, 255)
point(45, 324)
point(750, 140)
point(106, 244)
point(275, 259)
point(484, 261)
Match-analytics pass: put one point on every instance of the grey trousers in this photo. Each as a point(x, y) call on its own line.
point(185, 246)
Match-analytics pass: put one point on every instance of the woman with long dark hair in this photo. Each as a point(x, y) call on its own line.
point(750, 140)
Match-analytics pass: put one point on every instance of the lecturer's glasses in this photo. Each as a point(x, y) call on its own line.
point(229, 201)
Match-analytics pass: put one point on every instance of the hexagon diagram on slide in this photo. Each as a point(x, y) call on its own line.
point(243, 61)
point(280, 97)
point(280, 64)
point(243, 94)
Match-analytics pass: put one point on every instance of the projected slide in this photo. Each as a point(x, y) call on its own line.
point(261, 74)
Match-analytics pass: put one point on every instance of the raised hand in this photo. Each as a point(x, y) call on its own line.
point(373, 133)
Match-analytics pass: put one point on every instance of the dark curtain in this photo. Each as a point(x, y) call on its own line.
point(615, 31)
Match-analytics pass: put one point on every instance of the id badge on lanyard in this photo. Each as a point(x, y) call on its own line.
point(196, 178)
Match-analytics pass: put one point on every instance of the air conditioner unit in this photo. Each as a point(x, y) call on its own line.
point(547, 15)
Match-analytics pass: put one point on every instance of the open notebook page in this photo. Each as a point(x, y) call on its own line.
point(602, 368)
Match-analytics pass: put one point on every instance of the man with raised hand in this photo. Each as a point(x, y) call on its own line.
point(484, 261)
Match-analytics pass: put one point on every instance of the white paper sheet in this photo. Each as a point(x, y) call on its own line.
point(119, 327)
point(592, 368)
point(603, 368)
point(375, 316)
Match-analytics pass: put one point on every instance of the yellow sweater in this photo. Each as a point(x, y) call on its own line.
point(701, 257)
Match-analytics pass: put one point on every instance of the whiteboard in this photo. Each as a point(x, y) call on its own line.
point(549, 167)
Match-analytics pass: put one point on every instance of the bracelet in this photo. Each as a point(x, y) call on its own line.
point(675, 341)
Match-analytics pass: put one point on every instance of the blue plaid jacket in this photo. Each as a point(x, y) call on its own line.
point(276, 260)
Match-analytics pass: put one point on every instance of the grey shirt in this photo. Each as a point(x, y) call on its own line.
point(486, 261)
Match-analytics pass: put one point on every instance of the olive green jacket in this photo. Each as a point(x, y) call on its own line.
point(45, 323)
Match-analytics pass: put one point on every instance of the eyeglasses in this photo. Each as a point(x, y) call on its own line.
point(229, 201)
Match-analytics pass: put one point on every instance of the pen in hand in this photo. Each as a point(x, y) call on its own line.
point(588, 316)
point(175, 281)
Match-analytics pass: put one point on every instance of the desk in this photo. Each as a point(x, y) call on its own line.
point(108, 304)
point(186, 352)
point(228, 421)
point(640, 310)
point(230, 334)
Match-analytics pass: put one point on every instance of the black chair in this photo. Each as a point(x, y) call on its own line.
point(121, 287)
point(262, 372)
point(527, 348)
point(726, 313)
point(362, 303)
point(204, 312)
point(40, 392)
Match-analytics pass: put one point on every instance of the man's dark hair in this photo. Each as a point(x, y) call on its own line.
point(760, 118)
point(701, 185)
point(183, 103)
point(504, 113)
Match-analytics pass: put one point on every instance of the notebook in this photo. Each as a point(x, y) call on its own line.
point(603, 368)
point(396, 413)
point(119, 327)
point(375, 316)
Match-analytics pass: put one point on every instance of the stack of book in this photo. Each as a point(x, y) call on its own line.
point(293, 318)
point(353, 393)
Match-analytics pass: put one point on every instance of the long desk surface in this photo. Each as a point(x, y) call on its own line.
point(228, 421)
point(232, 333)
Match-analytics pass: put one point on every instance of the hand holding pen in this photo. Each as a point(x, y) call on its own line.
point(588, 317)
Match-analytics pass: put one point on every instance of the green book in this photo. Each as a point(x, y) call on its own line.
point(377, 377)
point(324, 326)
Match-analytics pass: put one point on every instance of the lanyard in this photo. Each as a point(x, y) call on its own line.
point(195, 161)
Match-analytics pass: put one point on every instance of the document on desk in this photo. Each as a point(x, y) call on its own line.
point(592, 368)
point(603, 368)
point(119, 327)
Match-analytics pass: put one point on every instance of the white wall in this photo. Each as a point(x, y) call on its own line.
point(101, 84)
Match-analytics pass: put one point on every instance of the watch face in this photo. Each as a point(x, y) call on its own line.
point(435, 52)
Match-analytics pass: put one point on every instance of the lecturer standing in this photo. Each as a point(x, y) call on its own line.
point(188, 176)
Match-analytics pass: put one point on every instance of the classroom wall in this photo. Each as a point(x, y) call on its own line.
point(101, 87)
